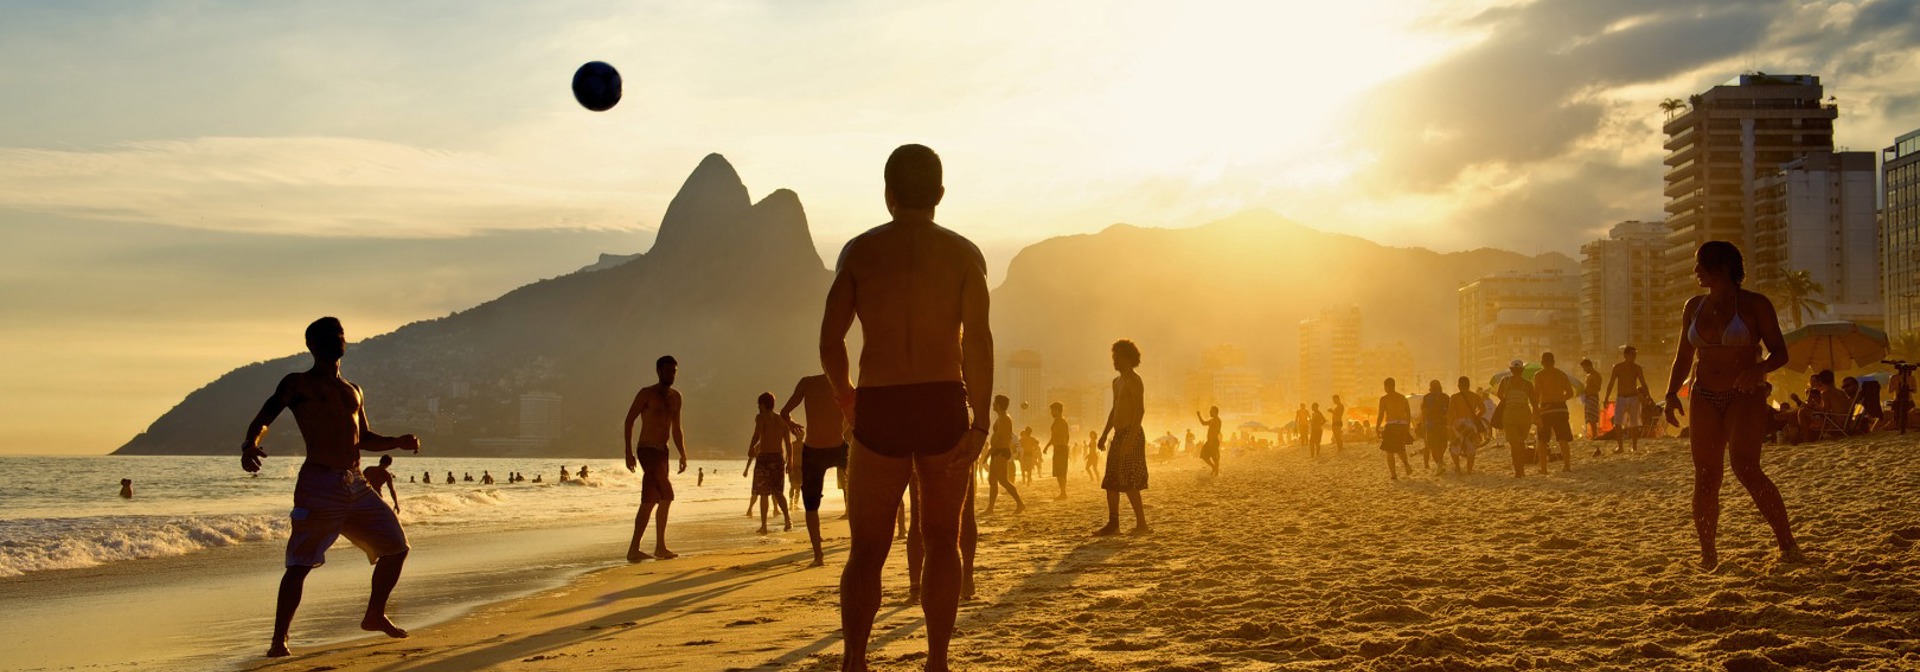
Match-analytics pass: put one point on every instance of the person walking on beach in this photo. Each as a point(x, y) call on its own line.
point(331, 497)
point(1127, 461)
point(1210, 451)
point(1301, 420)
point(1394, 424)
point(1463, 414)
point(1435, 427)
point(1551, 390)
point(1720, 348)
point(998, 457)
point(382, 476)
point(1029, 455)
point(1629, 379)
point(920, 293)
point(1337, 420)
point(767, 459)
point(1590, 402)
point(1058, 442)
point(1319, 423)
point(657, 407)
point(823, 447)
point(1516, 415)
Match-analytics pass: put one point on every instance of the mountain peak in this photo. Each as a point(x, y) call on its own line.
point(712, 193)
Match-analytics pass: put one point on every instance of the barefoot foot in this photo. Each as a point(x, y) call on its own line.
point(381, 624)
point(635, 555)
point(1108, 531)
point(278, 650)
point(1140, 531)
point(662, 553)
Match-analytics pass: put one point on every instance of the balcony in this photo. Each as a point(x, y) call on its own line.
point(1687, 136)
point(1682, 120)
point(1685, 202)
point(1675, 189)
point(1686, 169)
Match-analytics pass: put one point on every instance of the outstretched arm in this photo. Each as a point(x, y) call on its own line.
point(250, 451)
point(377, 443)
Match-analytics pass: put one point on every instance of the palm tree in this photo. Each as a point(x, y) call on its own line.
point(1672, 106)
point(1794, 293)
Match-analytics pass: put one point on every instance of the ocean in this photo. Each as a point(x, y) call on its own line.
point(182, 576)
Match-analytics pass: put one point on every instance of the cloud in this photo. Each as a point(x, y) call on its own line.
point(308, 186)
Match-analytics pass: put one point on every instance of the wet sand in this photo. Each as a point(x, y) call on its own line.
point(1286, 563)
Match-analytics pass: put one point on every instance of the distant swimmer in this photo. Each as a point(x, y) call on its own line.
point(1435, 427)
point(126, 488)
point(1394, 424)
point(1127, 461)
point(331, 498)
point(998, 469)
point(564, 474)
point(1629, 378)
point(700, 478)
point(583, 472)
point(767, 460)
point(1059, 440)
point(382, 476)
point(486, 477)
point(450, 480)
point(1210, 451)
point(823, 447)
point(426, 477)
point(919, 292)
point(657, 407)
point(466, 476)
point(1719, 348)
point(536, 478)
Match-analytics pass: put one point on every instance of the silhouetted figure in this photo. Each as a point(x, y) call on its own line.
point(1590, 402)
point(823, 447)
point(1127, 461)
point(1435, 427)
point(1318, 428)
point(583, 472)
point(126, 488)
point(381, 475)
point(1092, 456)
point(767, 460)
point(1903, 388)
point(1551, 391)
point(1337, 418)
point(920, 294)
point(1516, 415)
point(1059, 441)
point(1029, 455)
point(1210, 451)
point(1394, 424)
point(1302, 423)
point(426, 477)
point(450, 480)
point(701, 478)
point(486, 477)
point(1463, 413)
point(657, 407)
point(1629, 378)
point(999, 455)
point(1720, 348)
point(564, 474)
point(331, 498)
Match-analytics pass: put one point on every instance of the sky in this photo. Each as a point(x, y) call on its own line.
point(183, 185)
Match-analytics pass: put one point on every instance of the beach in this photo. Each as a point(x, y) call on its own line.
point(1283, 562)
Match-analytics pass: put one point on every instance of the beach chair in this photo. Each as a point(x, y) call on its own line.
point(1834, 422)
point(1872, 413)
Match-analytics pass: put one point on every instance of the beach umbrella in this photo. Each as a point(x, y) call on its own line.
point(1839, 346)
point(1255, 426)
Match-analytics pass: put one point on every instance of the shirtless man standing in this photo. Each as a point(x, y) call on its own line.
point(1551, 390)
point(1629, 378)
point(331, 498)
point(824, 447)
point(926, 373)
point(658, 408)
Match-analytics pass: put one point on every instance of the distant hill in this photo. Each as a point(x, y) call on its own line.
point(734, 289)
point(731, 288)
point(1247, 280)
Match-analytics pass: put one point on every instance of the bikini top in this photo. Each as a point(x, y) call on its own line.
point(1735, 335)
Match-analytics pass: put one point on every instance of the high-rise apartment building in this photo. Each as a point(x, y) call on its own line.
point(1816, 214)
point(1330, 355)
point(1026, 385)
point(1622, 291)
point(1900, 234)
point(1729, 138)
point(1516, 315)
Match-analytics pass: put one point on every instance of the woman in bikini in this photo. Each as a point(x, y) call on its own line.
point(1720, 347)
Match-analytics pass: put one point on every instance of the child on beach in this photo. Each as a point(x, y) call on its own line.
point(1092, 457)
point(1057, 442)
point(1127, 462)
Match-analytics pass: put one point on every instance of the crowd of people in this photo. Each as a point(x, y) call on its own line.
point(921, 429)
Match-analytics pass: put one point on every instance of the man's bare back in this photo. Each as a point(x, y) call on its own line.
point(908, 281)
point(826, 426)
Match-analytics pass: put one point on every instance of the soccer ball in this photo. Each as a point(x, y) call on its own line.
point(597, 86)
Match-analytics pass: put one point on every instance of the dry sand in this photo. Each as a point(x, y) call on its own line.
point(1284, 563)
